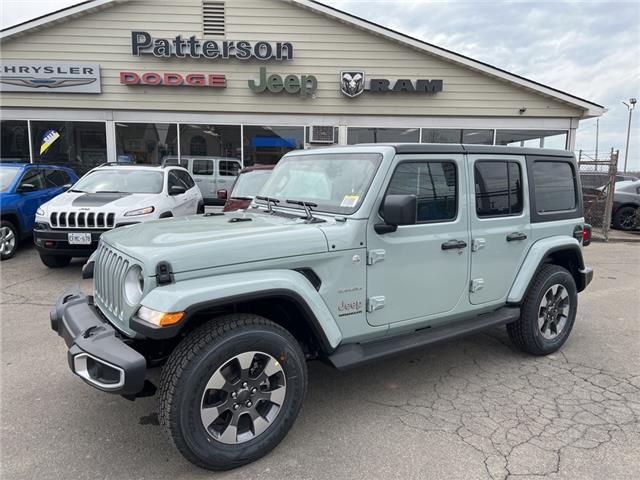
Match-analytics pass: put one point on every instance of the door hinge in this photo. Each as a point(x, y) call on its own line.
point(375, 303)
point(477, 244)
point(476, 284)
point(375, 256)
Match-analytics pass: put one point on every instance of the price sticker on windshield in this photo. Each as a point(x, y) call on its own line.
point(350, 201)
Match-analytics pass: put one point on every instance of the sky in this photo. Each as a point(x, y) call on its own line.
point(590, 48)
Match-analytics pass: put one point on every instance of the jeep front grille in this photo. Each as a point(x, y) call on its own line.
point(109, 271)
point(94, 220)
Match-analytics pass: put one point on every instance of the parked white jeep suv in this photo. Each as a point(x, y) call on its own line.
point(110, 196)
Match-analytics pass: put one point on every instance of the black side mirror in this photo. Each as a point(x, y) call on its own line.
point(177, 190)
point(222, 194)
point(397, 210)
point(26, 187)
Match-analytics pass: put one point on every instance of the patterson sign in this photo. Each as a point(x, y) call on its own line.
point(50, 77)
point(142, 43)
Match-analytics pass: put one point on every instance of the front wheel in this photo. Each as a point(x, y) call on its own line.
point(55, 261)
point(8, 240)
point(231, 390)
point(548, 312)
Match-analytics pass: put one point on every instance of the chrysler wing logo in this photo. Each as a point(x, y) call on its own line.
point(54, 82)
point(352, 83)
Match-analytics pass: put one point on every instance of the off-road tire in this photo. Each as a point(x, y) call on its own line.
point(525, 332)
point(55, 261)
point(191, 365)
point(622, 218)
point(5, 224)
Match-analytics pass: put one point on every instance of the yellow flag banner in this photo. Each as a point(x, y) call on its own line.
point(48, 139)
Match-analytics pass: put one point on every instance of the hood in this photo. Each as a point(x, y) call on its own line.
point(103, 201)
point(199, 241)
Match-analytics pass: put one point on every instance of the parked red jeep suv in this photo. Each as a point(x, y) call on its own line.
point(247, 185)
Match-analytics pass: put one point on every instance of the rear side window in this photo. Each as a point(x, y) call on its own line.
point(498, 187)
point(203, 167)
point(228, 168)
point(555, 186)
point(433, 183)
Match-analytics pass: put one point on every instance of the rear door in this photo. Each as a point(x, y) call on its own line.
point(500, 224)
point(202, 170)
point(227, 173)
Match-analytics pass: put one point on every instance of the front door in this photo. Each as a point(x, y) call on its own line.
point(500, 224)
point(421, 270)
point(202, 170)
point(31, 201)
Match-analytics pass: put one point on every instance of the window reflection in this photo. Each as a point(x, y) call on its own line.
point(15, 141)
point(267, 145)
point(145, 143)
point(382, 135)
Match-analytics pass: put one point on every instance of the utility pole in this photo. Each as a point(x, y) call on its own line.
point(630, 106)
point(597, 135)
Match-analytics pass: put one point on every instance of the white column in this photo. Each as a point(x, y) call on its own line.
point(112, 154)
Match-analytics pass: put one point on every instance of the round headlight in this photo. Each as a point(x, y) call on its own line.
point(134, 285)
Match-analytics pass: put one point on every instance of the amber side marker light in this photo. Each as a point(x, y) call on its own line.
point(161, 319)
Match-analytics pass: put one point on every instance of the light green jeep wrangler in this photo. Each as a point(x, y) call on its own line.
point(350, 255)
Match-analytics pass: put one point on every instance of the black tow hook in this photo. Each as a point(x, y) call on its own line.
point(89, 331)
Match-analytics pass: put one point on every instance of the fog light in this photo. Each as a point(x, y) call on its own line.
point(161, 319)
point(49, 244)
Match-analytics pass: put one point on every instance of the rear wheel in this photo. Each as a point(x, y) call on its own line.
point(231, 391)
point(55, 261)
point(625, 218)
point(8, 240)
point(548, 312)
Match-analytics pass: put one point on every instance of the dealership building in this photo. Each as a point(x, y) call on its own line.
point(141, 80)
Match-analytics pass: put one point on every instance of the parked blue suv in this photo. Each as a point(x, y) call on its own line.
point(23, 188)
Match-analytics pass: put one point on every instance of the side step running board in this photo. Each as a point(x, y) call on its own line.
point(355, 354)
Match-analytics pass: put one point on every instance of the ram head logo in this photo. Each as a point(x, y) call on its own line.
point(352, 83)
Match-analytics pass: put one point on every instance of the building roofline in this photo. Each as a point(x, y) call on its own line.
point(81, 8)
point(590, 109)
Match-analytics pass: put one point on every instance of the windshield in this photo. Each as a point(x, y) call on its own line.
point(7, 174)
point(120, 181)
point(249, 183)
point(337, 183)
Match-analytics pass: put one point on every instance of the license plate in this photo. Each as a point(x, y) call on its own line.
point(79, 238)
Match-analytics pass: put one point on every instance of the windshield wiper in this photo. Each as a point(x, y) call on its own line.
point(269, 201)
point(307, 209)
point(108, 191)
point(241, 198)
point(77, 191)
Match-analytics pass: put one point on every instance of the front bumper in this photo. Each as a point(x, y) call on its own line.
point(56, 242)
point(97, 353)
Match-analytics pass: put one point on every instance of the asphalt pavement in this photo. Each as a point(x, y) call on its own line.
point(471, 409)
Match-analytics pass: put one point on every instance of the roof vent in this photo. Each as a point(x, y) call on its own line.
point(213, 18)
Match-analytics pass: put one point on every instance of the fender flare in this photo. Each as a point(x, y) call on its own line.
point(196, 295)
point(536, 255)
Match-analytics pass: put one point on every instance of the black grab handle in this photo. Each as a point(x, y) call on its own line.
point(453, 244)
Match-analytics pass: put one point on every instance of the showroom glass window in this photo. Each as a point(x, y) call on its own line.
point(146, 143)
point(555, 186)
point(198, 140)
point(533, 138)
point(78, 145)
point(451, 135)
point(15, 141)
point(434, 185)
point(498, 186)
point(382, 135)
point(267, 145)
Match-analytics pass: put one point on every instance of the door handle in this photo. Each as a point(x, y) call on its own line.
point(453, 244)
point(515, 236)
